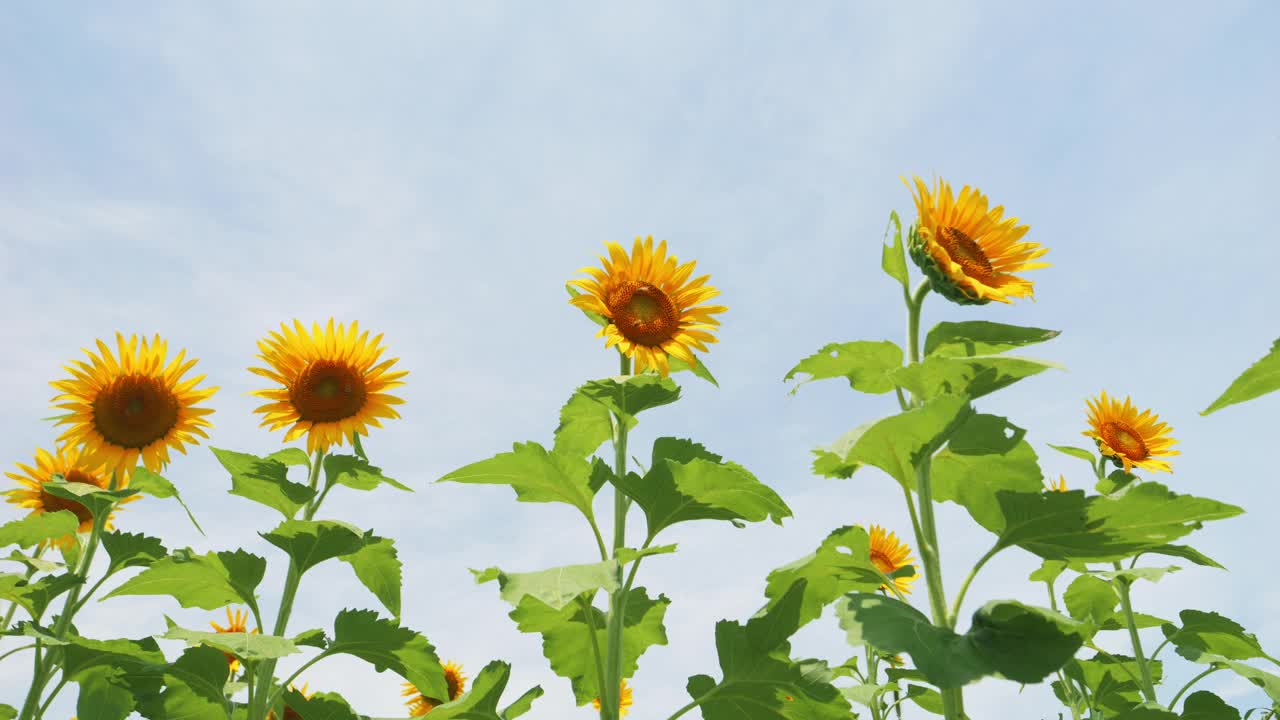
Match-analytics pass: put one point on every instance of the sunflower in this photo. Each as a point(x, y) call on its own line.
point(73, 466)
point(625, 701)
point(290, 713)
point(889, 555)
point(970, 252)
point(1059, 486)
point(131, 406)
point(331, 383)
point(653, 308)
point(236, 623)
point(420, 704)
point(1129, 438)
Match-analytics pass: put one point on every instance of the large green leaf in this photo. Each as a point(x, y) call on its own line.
point(841, 564)
point(1019, 642)
point(112, 674)
point(35, 596)
point(1261, 378)
point(687, 482)
point(969, 377)
point(1204, 705)
point(1112, 680)
point(265, 481)
point(104, 695)
point(387, 645)
point(567, 635)
point(357, 473)
point(194, 686)
point(1091, 600)
point(760, 681)
point(867, 365)
point(150, 483)
point(38, 527)
point(893, 257)
point(897, 442)
point(310, 542)
point(246, 646)
point(210, 582)
point(535, 475)
point(985, 456)
point(1209, 632)
point(131, 550)
point(558, 586)
point(586, 420)
point(377, 566)
point(481, 701)
point(833, 460)
point(978, 337)
point(320, 706)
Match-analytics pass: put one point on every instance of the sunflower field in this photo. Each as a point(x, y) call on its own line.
point(304, 468)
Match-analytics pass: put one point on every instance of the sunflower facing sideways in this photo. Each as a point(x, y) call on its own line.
point(237, 622)
point(889, 555)
point(420, 704)
point(1130, 438)
point(331, 383)
point(1059, 485)
point(132, 407)
point(653, 307)
point(625, 700)
point(70, 463)
point(968, 251)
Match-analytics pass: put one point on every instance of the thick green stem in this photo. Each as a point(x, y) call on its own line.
point(610, 694)
point(1122, 586)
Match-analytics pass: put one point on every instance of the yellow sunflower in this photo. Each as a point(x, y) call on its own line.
point(131, 406)
point(970, 252)
point(73, 466)
point(625, 701)
point(1130, 438)
point(331, 383)
point(1059, 486)
point(420, 704)
point(654, 309)
point(889, 555)
point(237, 622)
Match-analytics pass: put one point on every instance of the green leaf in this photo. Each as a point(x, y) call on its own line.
point(1261, 378)
point(1091, 600)
point(1049, 571)
point(535, 475)
point(687, 482)
point(320, 706)
point(8, 712)
point(244, 572)
point(208, 582)
point(38, 527)
point(699, 370)
point(33, 563)
point(246, 646)
point(194, 686)
point(969, 377)
point(291, 456)
point(523, 704)
point(893, 258)
point(760, 680)
point(896, 443)
point(1131, 575)
point(1112, 680)
point(34, 597)
point(357, 474)
point(310, 542)
point(131, 550)
point(978, 337)
point(1076, 452)
point(628, 555)
point(833, 461)
point(386, 645)
point(593, 317)
point(264, 481)
point(481, 701)
point(867, 365)
point(987, 455)
point(104, 695)
point(1187, 553)
point(377, 566)
point(841, 564)
point(1019, 642)
point(1269, 683)
point(1209, 632)
point(558, 586)
point(149, 483)
point(314, 637)
point(586, 420)
point(91, 497)
point(567, 635)
point(1204, 705)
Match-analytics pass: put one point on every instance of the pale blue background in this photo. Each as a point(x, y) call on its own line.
point(438, 171)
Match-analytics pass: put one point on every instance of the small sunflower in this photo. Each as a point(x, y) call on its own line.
point(625, 699)
point(73, 466)
point(970, 252)
point(131, 406)
point(654, 309)
point(331, 383)
point(420, 704)
point(237, 622)
point(290, 713)
point(1130, 438)
point(889, 555)
point(1056, 486)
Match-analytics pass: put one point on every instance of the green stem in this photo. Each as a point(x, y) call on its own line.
point(589, 610)
point(280, 691)
point(1159, 647)
point(872, 679)
point(17, 650)
point(1193, 681)
point(49, 700)
point(964, 589)
point(1122, 586)
point(693, 704)
point(610, 694)
point(1068, 687)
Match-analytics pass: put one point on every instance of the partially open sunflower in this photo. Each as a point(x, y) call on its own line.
point(73, 466)
point(132, 406)
point(420, 704)
point(331, 383)
point(653, 307)
point(1059, 485)
point(889, 555)
point(1130, 438)
point(970, 252)
point(237, 622)
point(625, 700)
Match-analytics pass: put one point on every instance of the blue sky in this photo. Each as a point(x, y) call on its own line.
point(438, 171)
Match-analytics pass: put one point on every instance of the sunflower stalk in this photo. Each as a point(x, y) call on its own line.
point(610, 694)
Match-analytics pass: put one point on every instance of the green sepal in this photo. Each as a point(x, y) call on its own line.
point(939, 280)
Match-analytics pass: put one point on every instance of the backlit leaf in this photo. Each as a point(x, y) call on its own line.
point(867, 365)
point(264, 481)
point(1261, 378)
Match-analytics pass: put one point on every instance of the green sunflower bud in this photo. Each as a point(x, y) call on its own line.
point(941, 282)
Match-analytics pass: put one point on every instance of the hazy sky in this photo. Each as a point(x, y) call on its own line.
point(438, 171)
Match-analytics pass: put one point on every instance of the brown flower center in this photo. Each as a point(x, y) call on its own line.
point(135, 411)
point(327, 391)
point(1124, 440)
point(964, 251)
point(643, 313)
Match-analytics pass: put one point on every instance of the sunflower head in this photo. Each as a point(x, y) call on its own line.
point(1130, 438)
point(237, 622)
point(625, 699)
point(131, 406)
point(72, 465)
point(654, 310)
point(330, 383)
point(970, 252)
point(420, 704)
point(1060, 485)
point(889, 555)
